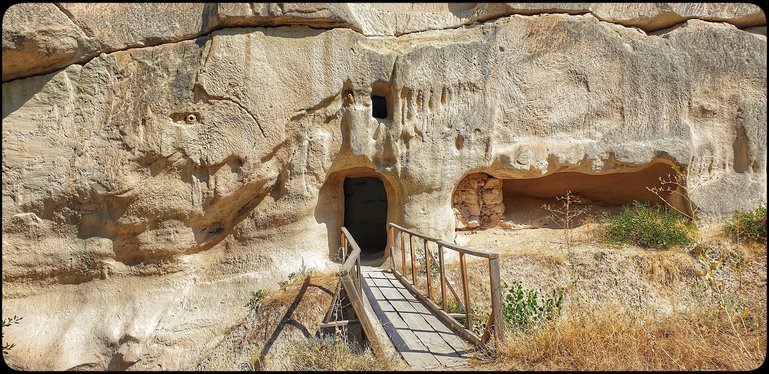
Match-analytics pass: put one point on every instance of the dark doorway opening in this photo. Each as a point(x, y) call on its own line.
point(379, 107)
point(365, 217)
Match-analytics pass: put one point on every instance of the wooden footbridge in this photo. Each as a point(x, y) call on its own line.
point(427, 320)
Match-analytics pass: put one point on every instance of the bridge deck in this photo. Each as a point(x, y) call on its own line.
point(424, 341)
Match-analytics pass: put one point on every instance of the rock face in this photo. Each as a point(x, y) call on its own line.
point(154, 176)
point(478, 202)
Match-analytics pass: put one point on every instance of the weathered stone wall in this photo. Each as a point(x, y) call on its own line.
point(165, 171)
point(478, 202)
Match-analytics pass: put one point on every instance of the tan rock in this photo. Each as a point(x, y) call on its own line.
point(208, 168)
point(41, 38)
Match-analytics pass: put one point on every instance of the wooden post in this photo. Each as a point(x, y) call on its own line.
point(358, 272)
point(443, 277)
point(344, 248)
point(413, 268)
point(391, 245)
point(496, 300)
point(403, 254)
point(463, 269)
point(427, 266)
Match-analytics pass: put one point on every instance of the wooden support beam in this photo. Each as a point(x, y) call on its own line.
point(338, 323)
point(428, 272)
point(413, 268)
point(360, 312)
point(442, 271)
point(403, 254)
point(496, 300)
point(465, 292)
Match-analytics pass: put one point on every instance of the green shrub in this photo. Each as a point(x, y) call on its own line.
point(648, 226)
point(523, 308)
point(749, 225)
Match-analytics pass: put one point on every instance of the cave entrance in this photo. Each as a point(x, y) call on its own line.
point(365, 217)
point(483, 201)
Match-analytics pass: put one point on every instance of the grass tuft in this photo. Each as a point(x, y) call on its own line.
point(648, 226)
point(749, 225)
point(328, 354)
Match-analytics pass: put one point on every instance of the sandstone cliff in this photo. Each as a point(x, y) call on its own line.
point(162, 161)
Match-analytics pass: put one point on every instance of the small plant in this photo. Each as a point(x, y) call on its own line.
point(566, 215)
point(524, 308)
point(750, 225)
point(256, 297)
point(7, 323)
point(647, 226)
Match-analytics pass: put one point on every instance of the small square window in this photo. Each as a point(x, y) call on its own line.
point(379, 107)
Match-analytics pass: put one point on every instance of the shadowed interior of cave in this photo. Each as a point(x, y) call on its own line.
point(365, 216)
point(523, 198)
point(378, 107)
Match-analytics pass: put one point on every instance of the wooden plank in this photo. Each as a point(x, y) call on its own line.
point(333, 302)
point(415, 321)
point(338, 323)
point(459, 345)
point(437, 324)
point(452, 323)
point(465, 292)
point(360, 312)
point(391, 293)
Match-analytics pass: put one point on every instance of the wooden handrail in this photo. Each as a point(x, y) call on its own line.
point(495, 323)
point(350, 278)
point(458, 248)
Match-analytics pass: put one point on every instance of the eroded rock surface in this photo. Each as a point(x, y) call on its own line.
point(41, 38)
point(148, 190)
point(478, 202)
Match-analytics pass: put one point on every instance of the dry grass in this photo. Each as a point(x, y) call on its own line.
point(611, 338)
point(327, 354)
point(666, 267)
point(677, 320)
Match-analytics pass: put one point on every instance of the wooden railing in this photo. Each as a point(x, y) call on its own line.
point(350, 279)
point(495, 322)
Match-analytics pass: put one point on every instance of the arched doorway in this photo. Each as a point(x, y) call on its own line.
point(365, 217)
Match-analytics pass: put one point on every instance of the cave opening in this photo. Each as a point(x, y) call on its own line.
point(365, 217)
point(378, 107)
point(483, 201)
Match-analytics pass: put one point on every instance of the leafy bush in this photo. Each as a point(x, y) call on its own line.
point(748, 225)
point(648, 226)
point(523, 308)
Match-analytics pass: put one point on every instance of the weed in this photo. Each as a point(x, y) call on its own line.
point(524, 308)
point(7, 323)
point(566, 216)
point(256, 298)
point(750, 225)
point(647, 226)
